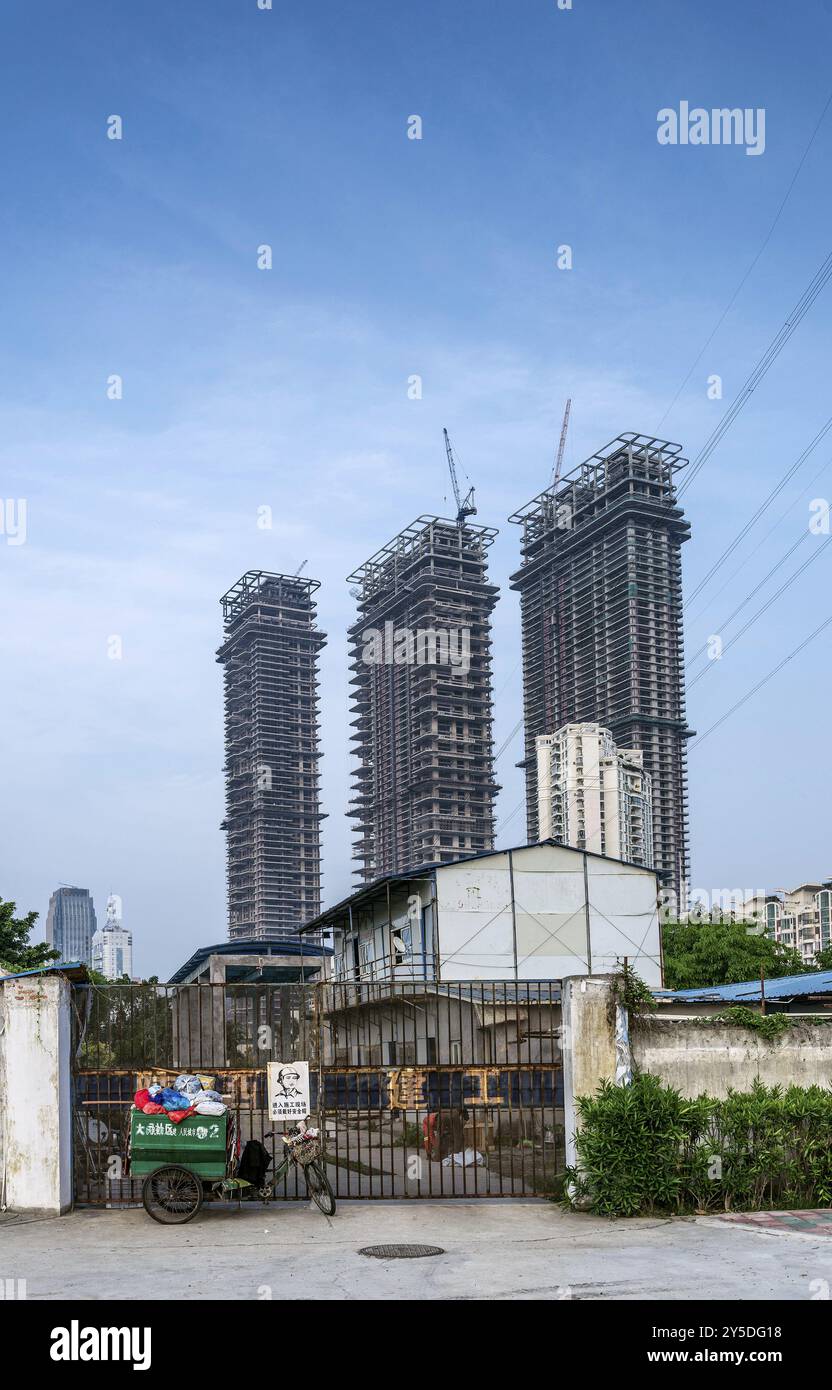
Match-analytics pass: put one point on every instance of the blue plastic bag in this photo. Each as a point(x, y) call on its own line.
point(173, 1100)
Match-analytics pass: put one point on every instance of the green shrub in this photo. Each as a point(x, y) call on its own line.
point(644, 1148)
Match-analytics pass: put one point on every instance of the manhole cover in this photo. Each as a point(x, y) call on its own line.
point(401, 1252)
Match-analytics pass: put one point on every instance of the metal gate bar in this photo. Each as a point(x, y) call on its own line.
point(422, 1089)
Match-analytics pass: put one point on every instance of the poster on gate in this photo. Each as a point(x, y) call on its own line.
point(289, 1091)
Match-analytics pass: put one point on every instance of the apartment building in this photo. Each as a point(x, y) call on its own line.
point(800, 917)
point(593, 795)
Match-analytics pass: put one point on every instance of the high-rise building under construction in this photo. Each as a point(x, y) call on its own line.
point(273, 816)
point(601, 609)
point(421, 698)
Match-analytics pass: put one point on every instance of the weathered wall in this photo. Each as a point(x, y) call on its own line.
point(696, 1056)
point(2, 1098)
point(592, 1051)
point(37, 1099)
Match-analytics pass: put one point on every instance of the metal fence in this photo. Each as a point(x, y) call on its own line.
point(421, 1089)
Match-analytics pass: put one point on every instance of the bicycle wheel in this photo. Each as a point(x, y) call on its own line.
point(317, 1185)
point(172, 1195)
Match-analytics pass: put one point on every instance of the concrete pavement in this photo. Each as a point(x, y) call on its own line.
point(494, 1250)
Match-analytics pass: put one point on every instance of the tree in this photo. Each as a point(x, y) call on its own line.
point(699, 954)
point(823, 958)
point(15, 952)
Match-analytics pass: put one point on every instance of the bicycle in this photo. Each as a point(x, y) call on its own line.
point(304, 1149)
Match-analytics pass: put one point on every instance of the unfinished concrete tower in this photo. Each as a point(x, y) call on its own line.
point(421, 698)
point(273, 816)
point(601, 605)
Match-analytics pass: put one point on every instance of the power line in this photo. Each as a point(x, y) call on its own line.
point(740, 286)
point(761, 683)
point(720, 627)
point(500, 827)
point(752, 381)
point(761, 542)
point(766, 606)
point(789, 474)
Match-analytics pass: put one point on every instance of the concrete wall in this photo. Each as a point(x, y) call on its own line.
point(36, 1094)
point(594, 1026)
point(696, 1056)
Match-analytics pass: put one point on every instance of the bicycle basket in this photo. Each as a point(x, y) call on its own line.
point(304, 1149)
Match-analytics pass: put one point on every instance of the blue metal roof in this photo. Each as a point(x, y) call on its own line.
point(255, 949)
point(73, 969)
point(747, 991)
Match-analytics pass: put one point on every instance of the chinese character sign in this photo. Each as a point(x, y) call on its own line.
point(289, 1091)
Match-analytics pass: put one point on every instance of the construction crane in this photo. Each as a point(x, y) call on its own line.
point(300, 569)
point(464, 505)
point(562, 445)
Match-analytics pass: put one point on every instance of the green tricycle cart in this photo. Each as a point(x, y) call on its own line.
point(187, 1163)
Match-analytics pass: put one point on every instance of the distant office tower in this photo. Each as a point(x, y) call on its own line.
point(601, 603)
point(112, 946)
point(593, 795)
point(70, 924)
point(421, 678)
point(273, 815)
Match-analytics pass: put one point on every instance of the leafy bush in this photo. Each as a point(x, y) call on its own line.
point(644, 1148)
point(700, 954)
point(769, 1026)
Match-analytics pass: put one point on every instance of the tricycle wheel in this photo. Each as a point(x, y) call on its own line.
point(319, 1189)
point(172, 1195)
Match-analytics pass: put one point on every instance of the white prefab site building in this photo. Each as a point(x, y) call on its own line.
point(537, 912)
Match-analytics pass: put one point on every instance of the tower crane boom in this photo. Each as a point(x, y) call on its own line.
point(562, 445)
point(464, 505)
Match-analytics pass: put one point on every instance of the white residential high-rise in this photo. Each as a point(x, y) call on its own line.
point(593, 795)
point(799, 917)
point(112, 946)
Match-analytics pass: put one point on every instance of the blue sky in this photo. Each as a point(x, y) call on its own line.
point(245, 388)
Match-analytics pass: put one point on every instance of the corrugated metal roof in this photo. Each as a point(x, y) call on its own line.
point(255, 949)
point(787, 987)
point(74, 970)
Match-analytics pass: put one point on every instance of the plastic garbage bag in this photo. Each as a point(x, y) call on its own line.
point(468, 1158)
point(187, 1085)
point(202, 1096)
point(173, 1100)
point(209, 1107)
